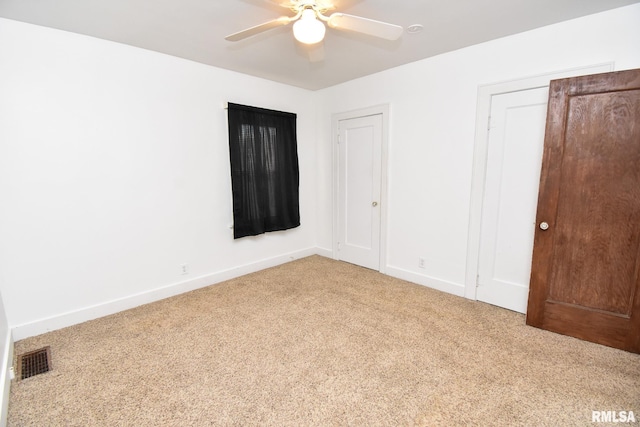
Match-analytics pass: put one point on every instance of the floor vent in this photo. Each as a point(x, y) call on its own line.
point(34, 363)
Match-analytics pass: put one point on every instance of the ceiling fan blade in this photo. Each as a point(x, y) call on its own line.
point(316, 52)
point(342, 21)
point(283, 3)
point(249, 32)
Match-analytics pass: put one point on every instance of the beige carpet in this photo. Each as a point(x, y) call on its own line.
point(323, 343)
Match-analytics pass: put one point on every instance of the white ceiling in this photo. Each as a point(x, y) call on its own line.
point(195, 30)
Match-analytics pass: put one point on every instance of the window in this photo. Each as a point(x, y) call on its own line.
point(264, 170)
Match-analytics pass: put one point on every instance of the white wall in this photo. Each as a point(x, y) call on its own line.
point(114, 163)
point(114, 171)
point(6, 361)
point(432, 125)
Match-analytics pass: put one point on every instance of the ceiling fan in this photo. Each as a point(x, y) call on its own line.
point(308, 27)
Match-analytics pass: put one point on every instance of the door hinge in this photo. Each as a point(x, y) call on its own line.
point(339, 246)
point(477, 280)
point(489, 123)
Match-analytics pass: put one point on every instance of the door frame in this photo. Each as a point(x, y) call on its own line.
point(382, 110)
point(483, 110)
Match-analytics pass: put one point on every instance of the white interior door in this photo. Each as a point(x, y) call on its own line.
point(359, 186)
point(514, 159)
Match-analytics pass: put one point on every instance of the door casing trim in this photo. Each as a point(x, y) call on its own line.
point(483, 110)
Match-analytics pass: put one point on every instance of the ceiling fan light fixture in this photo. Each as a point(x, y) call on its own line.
point(308, 29)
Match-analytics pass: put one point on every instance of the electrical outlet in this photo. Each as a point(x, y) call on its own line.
point(184, 268)
point(421, 263)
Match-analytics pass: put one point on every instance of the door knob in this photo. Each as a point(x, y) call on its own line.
point(544, 226)
point(374, 204)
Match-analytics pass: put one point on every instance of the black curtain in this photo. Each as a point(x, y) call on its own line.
point(264, 170)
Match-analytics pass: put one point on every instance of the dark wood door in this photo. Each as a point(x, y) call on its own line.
point(585, 279)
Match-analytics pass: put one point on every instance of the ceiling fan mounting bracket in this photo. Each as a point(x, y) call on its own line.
point(319, 7)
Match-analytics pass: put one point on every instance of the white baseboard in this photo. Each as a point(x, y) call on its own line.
point(53, 323)
point(5, 379)
point(327, 253)
point(430, 282)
